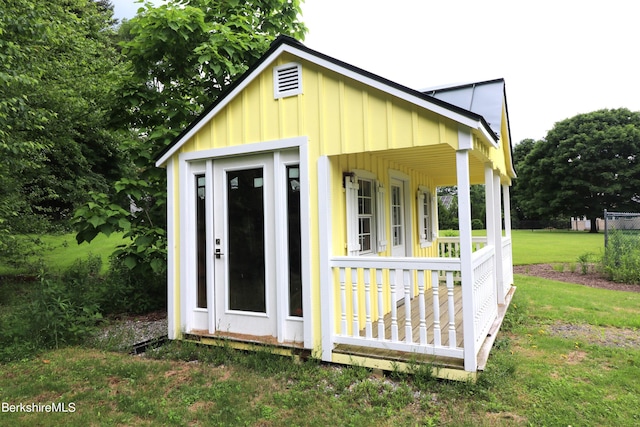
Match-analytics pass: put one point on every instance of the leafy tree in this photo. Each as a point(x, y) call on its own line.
point(586, 164)
point(21, 22)
point(180, 56)
point(448, 212)
point(59, 65)
point(447, 208)
point(518, 204)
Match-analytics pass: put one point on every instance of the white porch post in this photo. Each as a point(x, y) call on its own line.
point(466, 267)
point(507, 210)
point(489, 204)
point(324, 245)
point(508, 277)
point(497, 218)
point(173, 308)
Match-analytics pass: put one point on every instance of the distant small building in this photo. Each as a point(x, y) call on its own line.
point(584, 224)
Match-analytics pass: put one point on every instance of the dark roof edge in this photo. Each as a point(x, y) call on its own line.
point(461, 86)
point(506, 110)
point(282, 39)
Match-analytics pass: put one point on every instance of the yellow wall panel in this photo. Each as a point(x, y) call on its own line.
point(402, 125)
point(377, 123)
point(331, 116)
point(353, 119)
point(252, 111)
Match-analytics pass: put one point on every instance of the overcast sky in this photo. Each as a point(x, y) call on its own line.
point(559, 58)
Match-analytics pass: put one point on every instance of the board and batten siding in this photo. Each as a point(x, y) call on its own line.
point(357, 126)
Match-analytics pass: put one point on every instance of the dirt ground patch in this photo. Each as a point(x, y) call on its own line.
point(601, 335)
point(592, 279)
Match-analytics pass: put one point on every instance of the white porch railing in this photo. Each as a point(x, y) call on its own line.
point(449, 247)
point(485, 304)
point(367, 291)
point(507, 264)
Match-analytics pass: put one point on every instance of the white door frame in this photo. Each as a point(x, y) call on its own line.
point(228, 319)
point(284, 152)
point(402, 180)
point(397, 177)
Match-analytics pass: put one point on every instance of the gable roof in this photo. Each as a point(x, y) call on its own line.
point(287, 44)
point(485, 98)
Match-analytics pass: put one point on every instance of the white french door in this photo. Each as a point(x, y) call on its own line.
point(244, 245)
point(398, 221)
point(400, 218)
point(242, 261)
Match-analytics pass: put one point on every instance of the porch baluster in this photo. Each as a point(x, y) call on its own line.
point(421, 304)
point(452, 313)
point(435, 282)
point(380, 304)
point(354, 302)
point(367, 300)
point(394, 305)
point(343, 302)
point(408, 330)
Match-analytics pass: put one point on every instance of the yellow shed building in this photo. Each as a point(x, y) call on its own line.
point(302, 216)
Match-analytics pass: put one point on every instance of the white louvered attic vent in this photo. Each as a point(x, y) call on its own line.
point(287, 80)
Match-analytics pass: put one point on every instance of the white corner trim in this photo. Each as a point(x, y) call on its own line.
point(171, 257)
point(465, 139)
point(325, 246)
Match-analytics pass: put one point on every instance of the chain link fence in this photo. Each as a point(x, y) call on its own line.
point(622, 246)
point(624, 223)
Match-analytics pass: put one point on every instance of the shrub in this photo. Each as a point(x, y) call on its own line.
point(476, 224)
point(621, 260)
point(125, 291)
point(60, 316)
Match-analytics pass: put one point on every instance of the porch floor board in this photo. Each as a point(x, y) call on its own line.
point(415, 318)
point(415, 325)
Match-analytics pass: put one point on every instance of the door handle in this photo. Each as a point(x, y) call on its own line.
point(218, 254)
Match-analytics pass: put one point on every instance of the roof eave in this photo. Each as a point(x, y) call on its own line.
point(290, 45)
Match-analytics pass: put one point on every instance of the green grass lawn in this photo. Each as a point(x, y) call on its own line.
point(59, 251)
point(543, 247)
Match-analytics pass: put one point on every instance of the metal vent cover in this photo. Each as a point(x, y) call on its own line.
point(287, 80)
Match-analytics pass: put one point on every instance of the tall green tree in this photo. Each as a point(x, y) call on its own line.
point(59, 67)
point(519, 206)
point(181, 56)
point(586, 164)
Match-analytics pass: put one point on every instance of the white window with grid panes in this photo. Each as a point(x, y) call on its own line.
point(425, 217)
point(365, 214)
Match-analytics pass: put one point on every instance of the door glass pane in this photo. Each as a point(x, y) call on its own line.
point(293, 228)
point(246, 258)
point(201, 238)
point(396, 215)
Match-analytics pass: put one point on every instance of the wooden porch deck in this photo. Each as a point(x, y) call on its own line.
point(399, 356)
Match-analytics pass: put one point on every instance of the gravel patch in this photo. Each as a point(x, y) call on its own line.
point(599, 335)
point(121, 334)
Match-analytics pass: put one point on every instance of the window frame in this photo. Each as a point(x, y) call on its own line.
point(426, 229)
point(377, 221)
